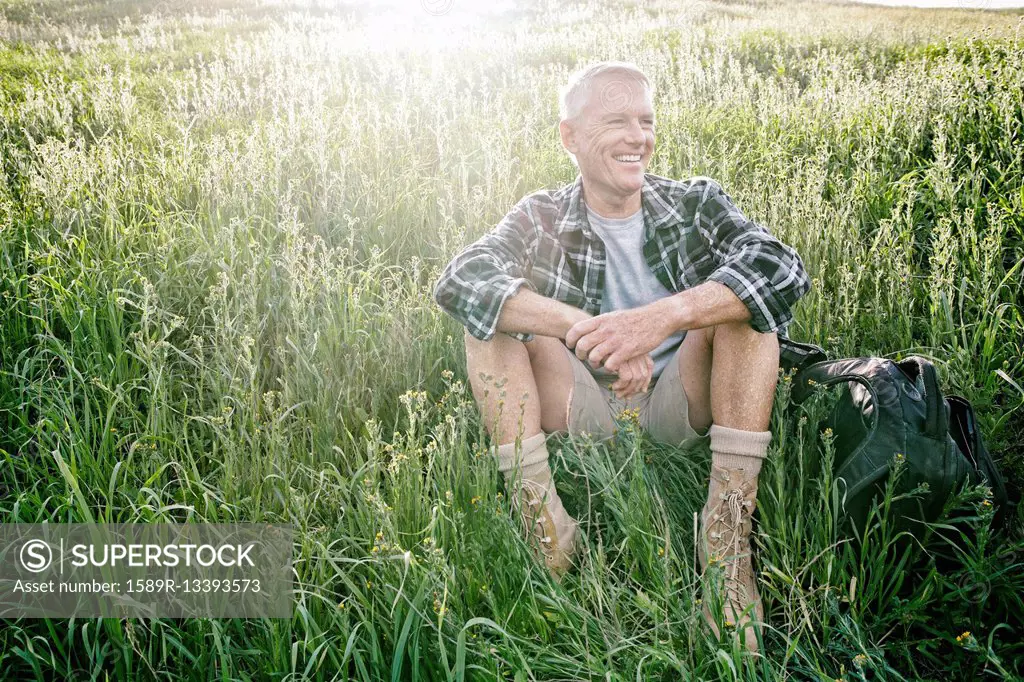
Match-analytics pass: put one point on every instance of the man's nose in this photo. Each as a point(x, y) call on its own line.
point(635, 132)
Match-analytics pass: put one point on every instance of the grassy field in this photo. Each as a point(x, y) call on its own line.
point(220, 225)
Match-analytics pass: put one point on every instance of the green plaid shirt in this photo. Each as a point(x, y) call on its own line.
point(692, 234)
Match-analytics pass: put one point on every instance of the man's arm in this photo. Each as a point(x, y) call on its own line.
point(479, 282)
point(487, 287)
point(705, 305)
point(767, 276)
point(530, 313)
point(620, 335)
point(758, 280)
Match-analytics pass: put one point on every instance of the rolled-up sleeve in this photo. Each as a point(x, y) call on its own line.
point(474, 286)
point(767, 275)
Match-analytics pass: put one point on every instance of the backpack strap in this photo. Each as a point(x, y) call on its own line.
point(799, 355)
point(869, 461)
point(859, 370)
point(967, 435)
point(937, 422)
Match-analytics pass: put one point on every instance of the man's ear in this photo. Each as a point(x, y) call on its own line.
point(567, 130)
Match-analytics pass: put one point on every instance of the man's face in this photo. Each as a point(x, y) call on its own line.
point(613, 136)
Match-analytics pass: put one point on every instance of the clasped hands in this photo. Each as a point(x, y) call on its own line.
point(622, 342)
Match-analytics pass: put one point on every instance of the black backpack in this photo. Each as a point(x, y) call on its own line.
point(897, 407)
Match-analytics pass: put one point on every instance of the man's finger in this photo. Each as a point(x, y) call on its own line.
point(626, 373)
point(636, 384)
point(580, 329)
point(642, 378)
point(633, 376)
point(628, 390)
point(584, 346)
point(588, 341)
point(616, 360)
point(598, 354)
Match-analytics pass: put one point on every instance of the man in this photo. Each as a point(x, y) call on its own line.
point(614, 283)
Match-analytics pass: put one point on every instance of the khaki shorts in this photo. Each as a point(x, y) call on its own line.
point(663, 409)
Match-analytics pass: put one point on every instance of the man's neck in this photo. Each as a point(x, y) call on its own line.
point(611, 207)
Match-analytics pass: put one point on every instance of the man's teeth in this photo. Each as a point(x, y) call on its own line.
point(631, 157)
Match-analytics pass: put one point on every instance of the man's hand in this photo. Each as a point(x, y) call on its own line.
point(613, 338)
point(634, 376)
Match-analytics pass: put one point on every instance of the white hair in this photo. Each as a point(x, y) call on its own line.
point(574, 95)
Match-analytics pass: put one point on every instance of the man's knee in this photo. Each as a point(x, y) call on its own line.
point(540, 346)
point(498, 356)
point(499, 345)
point(742, 332)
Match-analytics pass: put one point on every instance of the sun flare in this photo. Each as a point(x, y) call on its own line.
point(421, 25)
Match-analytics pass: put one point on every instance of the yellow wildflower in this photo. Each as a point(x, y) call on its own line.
point(966, 639)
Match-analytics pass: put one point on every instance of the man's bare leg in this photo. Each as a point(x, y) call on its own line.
point(538, 370)
point(522, 390)
point(729, 374)
point(730, 383)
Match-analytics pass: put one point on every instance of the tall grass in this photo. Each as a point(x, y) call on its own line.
point(220, 229)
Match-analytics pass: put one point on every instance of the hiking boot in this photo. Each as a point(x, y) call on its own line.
point(725, 544)
point(553, 531)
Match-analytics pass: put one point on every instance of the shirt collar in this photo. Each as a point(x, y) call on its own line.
point(575, 216)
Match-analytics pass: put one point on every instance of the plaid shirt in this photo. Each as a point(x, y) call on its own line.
point(692, 234)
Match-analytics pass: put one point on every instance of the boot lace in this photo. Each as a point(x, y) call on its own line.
point(530, 505)
point(728, 532)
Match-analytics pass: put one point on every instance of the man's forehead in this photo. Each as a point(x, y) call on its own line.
point(616, 93)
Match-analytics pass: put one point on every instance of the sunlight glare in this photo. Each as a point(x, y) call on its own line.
point(424, 25)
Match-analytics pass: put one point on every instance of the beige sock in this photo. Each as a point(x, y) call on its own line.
point(530, 454)
point(531, 461)
point(736, 449)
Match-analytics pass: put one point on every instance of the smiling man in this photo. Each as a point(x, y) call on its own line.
point(626, 290)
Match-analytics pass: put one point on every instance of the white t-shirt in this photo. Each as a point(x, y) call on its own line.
point(628, 282)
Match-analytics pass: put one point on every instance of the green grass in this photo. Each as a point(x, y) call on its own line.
point(219, 231)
